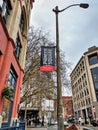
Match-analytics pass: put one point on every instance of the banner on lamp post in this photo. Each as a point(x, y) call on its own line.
point(47, 58)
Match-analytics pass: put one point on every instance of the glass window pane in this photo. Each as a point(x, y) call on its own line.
point(18, 46)
point(95, 76)
point(97, 96)
point(93, 59)
point(1, 3)
point(22, 24)
point(94, 70)
point(12, 79)
point(5, 110)
point(96, 86)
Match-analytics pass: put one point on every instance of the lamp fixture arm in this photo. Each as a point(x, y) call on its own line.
point(82, 5)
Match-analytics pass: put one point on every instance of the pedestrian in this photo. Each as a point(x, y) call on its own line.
point(42, 120)
point(38, 122)
point(80, 120)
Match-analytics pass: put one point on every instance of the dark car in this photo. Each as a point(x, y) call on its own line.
point(71, 119)
point(94, 123)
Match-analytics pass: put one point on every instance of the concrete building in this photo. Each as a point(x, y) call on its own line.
point(14, 23)
point(84, 80)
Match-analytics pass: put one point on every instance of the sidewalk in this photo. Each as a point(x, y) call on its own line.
point(86, 127)
point(37, 128)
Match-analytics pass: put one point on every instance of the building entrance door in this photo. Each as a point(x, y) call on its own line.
point(84, 115)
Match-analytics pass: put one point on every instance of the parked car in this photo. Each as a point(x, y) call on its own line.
point(56, 122)
point(52, 122)
point(82, 122)
point(65, 123)
point(71, 119)
point(94, 123)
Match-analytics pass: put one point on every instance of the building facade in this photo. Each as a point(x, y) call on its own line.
point(67, 107)
point(14, 23)
point(84, 80)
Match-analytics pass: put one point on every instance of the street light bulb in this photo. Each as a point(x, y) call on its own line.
point(84, 5)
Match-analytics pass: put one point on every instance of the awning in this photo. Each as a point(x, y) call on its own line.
point(29, 108)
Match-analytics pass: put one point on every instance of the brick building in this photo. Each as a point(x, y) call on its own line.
point(14, 23)
point(67, 106)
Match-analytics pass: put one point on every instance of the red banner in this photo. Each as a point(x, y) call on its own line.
point(47, 58)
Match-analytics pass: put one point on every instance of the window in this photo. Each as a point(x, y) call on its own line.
point(26, 1)
point(5, 110)
point(7, 105)
point(97, 96)
point(1, 3)
point(94, 72)
point(5, 8)
point(22, 24)
point(96, 86)
point(18, 47)
point(12, 78)
point(93, 59)
point(0, 53)
point(89, 102)
point(87, 91)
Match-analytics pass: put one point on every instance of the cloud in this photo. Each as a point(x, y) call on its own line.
point(78, 28)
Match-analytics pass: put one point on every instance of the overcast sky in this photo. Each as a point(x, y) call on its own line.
point(78, 27)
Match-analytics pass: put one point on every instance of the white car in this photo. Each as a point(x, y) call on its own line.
point(56, 122)
point(66, 124)
point(52, 122)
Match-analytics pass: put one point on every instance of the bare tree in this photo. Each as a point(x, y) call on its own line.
point(65, 74)
point(38, 84)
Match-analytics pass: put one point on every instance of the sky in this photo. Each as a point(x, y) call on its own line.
point(78, 27)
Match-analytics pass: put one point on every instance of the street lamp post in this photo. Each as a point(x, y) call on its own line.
point(59, 86)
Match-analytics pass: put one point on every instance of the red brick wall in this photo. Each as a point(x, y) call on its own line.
point(8, 58)
point(67, 105)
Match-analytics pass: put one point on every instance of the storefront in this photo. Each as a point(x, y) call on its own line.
point(32, 114)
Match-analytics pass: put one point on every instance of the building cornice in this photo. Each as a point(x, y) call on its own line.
point(91, 49)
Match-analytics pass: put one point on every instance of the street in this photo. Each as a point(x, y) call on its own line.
point(55, 128)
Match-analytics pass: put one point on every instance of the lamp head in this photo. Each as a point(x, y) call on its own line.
point(82, 5)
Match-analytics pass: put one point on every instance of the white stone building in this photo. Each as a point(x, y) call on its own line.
point(84, 80)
